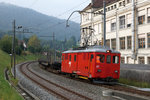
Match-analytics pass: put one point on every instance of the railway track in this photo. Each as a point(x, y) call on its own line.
point(53, 88)
point(117, 87)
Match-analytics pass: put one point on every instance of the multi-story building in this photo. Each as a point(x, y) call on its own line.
point(127, 28)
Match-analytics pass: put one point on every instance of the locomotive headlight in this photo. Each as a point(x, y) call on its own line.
point(97, 66)
point(116, 71)
point(98, 70)
point(90, 76)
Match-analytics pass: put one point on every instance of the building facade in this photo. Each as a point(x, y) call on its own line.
point(127, 28)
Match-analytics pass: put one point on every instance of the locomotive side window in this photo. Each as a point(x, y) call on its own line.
point(63, 57)
point(66, 56)
point(74, 57)
point(108, 59)
point(91, 57)
point(70, 58)
point(100, 58)
point(115, 59)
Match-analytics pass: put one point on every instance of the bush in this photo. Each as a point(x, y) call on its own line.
point(6, 43)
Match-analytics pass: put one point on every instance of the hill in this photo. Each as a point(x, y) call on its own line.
point(38, 23)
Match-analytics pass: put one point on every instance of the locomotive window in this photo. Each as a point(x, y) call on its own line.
point(63, 57)
point(66, 56)
point(74, 57)
point(115, 59)
point(100, 58)
point(108, 59)
point(91, 57)
point(70, 58)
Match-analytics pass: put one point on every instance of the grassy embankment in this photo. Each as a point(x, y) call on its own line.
point(6, 91)
point(134, 83)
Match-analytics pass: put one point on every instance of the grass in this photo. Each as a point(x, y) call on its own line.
point(134, 83)
point(6, 91)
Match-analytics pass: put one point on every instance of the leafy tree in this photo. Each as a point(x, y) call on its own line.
point(18, 50)
point(34, 44)
point(6, 43)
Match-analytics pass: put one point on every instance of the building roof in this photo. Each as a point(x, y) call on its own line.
point(98, 4)
point(87, 7)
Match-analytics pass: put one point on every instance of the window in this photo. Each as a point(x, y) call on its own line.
point(148, 40)
point(66, 56)
point(115, 6)
point(141, 19)
point(91, 57)
point(122, 60)
point(63, 57)
point(70, 58)
point(123, 3)
point(112, 7)
point(148, 19)
point(115, 59)
point(108, 59)
point(108, 8)
point(75, 58)
point(122, 43)
point(120, 4)
point(122, 22)
point(148, 15)
point(141, 60)
point(148, 62)
point(129, 42)
point(100, 58)
point(113, 26)
point(108, 43)
point(142, 43)
point(128, 1)
point(113, 42)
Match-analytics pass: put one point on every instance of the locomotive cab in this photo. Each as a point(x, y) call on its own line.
point(107, 66)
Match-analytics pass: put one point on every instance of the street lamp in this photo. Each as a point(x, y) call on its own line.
point(104, 21)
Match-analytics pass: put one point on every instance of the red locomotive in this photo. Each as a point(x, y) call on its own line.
point(94, 63)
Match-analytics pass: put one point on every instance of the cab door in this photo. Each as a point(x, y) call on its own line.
point(91, 65)
point(74, 63)
point(108, 67)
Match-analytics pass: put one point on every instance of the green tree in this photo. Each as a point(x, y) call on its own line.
point(6, 43)
point(71, 42)
point(34, 44)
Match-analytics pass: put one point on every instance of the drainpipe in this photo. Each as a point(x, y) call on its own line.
point(134, 40)
point(92, 2)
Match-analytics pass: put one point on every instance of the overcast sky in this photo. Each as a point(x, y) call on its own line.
point(58, 8)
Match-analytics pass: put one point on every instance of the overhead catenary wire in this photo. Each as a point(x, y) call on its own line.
point(33, 3)
point(46, 21)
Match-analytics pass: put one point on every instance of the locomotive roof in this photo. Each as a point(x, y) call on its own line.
point(91, 49)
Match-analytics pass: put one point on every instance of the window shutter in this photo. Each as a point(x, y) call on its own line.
point(129, 19)
point(100, 28)
point(96, 29)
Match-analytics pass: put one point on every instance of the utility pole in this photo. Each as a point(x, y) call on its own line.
point(104, 22)
point(14, 52)
point(54, 46)
point(53, 36)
